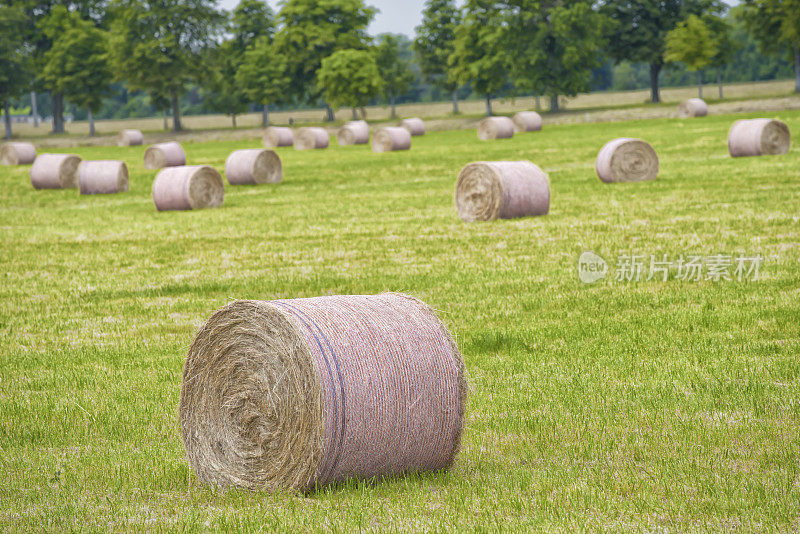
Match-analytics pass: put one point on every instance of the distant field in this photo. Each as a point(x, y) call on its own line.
point(636, 406)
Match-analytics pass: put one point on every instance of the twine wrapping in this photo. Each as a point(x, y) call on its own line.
point(495, 128)
point(414, 125)
point(758, 137)
point(55, 171)
point(488, 190)
point(353, 133)
point(693, 107)
point(253, 166)
point(130, 138)
point(278, 136)
point(311, 138)
point(527, 121)
point(627, 160)
point(190, 187)
point(169, 154)
point(17, 154)
point(391, 138)
point(102, 177)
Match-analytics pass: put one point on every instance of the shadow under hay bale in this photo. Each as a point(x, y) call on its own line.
point(102, 177)
point(391, 138)
point(758, 137)
point(627, 160)
point(488, 190)
point(414, 125)
point(693, 107)
point(169, 154)
point(17, 154)
point(55, 171)
point(527, 121)
point(311, 138)
point(353, 133)
point(253, 166)
point(495, 128)
point(189, 187)
point(130, 138)
point(278, 136)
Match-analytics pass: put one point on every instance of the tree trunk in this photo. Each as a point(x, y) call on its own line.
point(363, 113)
point(355, 114)
point(700, 84)
point(538, 103)
point(655, 70)
point(164, 114)
point(7, 120)
point(34, 110)
point(394, 107)
point(455, 101)
point(329, 116)
point(488, 105)
point(91, 123)
point(265, 115)
point(797, 69)
point(176, 112)
point(553, 103)
point(58, 113)
point(233, 119)
point(719, 81)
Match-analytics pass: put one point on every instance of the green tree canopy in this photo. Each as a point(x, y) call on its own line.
point(222, 93)
point(349, 78)
point(250, 20)
point(433, 45)
point(776, 26)
point(395, 71)
point(15, 60)
point(262, 74)
point(692, 44)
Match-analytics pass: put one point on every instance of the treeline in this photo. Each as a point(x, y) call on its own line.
point(124, 58)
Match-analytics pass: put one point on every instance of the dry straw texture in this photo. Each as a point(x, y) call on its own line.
point(391, 138)
point(627, 160)
point(415, 126)
point(758, 137)
point(488, 190)
point(55, 171)
point(130, 138)
point(169, 154)
point(527, 121)
point(311, 138)
point(102, 177)
point(17, 154)
point(253, 166)
point(693, 107)
point(303, 393)
point(188, 188)
point(278, 136)
point(495, 128)
point(353, 133)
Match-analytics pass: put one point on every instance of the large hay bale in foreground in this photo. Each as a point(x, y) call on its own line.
point(311, 138)
point(17, 154)
point(102, 177)
point(527, 121)
point(488, 190)
point(627, 160)
point(414, 125)
point(169, 154)
point(253, 166)
point(189, 187)
point(391, 138)
point(55, 171)
point(130, 138)
point(693, 107)
point(758, 137)
point(298, 394)
point(353, 133)
point(278, 136)
point(495, 128)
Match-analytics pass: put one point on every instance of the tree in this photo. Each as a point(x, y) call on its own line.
point(691, 43)
point(727, 46)
point(349, 78)
point(776, 26)
point(252, 20)
point(14, 59)
point(434, 44)
point(158, 45)
point(262, 75)
point(222, 92)
point(395, 71)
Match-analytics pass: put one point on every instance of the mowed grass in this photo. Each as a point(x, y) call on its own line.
point(619, 406)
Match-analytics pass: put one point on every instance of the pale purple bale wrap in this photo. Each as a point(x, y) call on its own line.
point(693, 107)
point(253, 166)
point(495, 128)
point(55, 171)
point(130, 138)
point(391, 138)
point(758, 137)
point(278, 136)
point(102, 177)
point(160, 155)
point(188, 187)
point(626, 159)
point(414, 125)
point(527, 121)
point(353, 133)
point(17, 154)
point(488, 190)
point(311, 138)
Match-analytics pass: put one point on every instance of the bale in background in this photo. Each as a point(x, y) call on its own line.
point(17, 154)
point(627, 160)
point(758, 137)
point(488, 190)
point(495, 128)
point(190, 187)
point(253, 166)
point(414, 126)
point(130, 138)
point(527, 121)
point(311, 138)
point(162, 155)
point(103, 176)
point(391, 138)
point(353, 133)
point(693, 107)
point(55, 171)
point(298, 394)
point(278, 136)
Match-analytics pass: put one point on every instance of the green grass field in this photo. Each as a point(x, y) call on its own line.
point(618, 405)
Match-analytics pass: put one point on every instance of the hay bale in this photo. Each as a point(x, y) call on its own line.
point(495, 128)
point(758, 137)
point(253, 166)
point(298, 394)
point(55, 171)
point(311, 139)
point(103, 176)
point(278, 136)
point(190, 187)
point(169, 154)
point(414, 126)
point(488, 190)
point(17, 154)
point(527, 121)
point(627, 160)
point(391, 138)
point(130, 138)
point(353, 133)
point(693, 107)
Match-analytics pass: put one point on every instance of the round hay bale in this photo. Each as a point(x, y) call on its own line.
point(627, 160)
point(130, 138)
point(278, 136)
point(693, 107)
point(353, 133)
point(169, 154)
point(298, 394)
point(103, 176)
point(495, 128)
point(488, 190)
point(311, 138)
point(17, 154)
point(391, 138)
point(527, 121)
point(415, 126)
point(55, 171)
point(253, 166)
point(190, 187)
point(758, 137)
